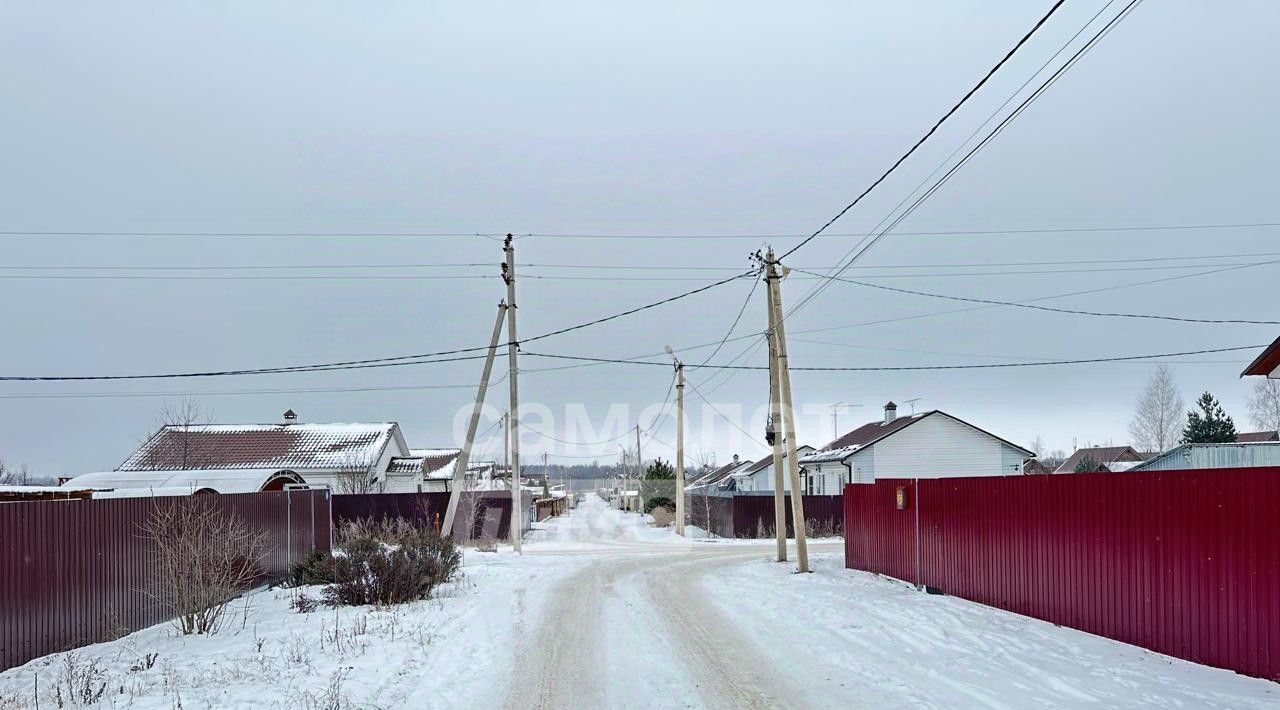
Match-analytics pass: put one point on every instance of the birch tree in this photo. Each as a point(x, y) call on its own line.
point(1158, 418)
point(1264, 404)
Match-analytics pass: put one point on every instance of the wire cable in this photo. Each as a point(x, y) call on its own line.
point(863, 246)
point(395, 361)
point(1051, 309)
point(964, 366)
point(932, 130)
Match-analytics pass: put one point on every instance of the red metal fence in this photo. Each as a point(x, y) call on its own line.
point(75, 572)
point(752, 516)
point(1185, 563)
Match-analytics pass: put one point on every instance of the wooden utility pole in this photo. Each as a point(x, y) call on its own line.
point(464, 456)
point(773, 427)
point(513, 347)
point(639, 472)
point(788, 417)
point(680, 443)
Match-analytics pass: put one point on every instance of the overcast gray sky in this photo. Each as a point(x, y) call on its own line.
point(599, 118)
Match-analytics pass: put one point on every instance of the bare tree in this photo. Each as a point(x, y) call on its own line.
point(204, 558)
point(1158, 418)
point(1264, 404)
point(1037, 446)
point(179, 443)
point(20, 476)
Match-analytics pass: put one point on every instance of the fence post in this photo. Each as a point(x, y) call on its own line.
point(915, 484)
point(288, 529)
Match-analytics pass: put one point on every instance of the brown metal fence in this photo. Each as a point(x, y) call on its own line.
point(550, 507)
point(752, 516)
point(79, 571)
point(491, 518)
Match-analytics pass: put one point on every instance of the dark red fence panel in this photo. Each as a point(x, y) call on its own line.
point(711, 513)
point(1182, 562)
point(878, 536)
point(75, 572)
point(491, 519)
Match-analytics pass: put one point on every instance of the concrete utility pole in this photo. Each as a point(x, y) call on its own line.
point(639, 472)
point(679, 441)
point(774, 426)
point(788, 416)
point(464, 456)
point(513, 347)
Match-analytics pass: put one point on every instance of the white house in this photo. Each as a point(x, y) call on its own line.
point(931, 444)
point(241, 458)
point(758, 477)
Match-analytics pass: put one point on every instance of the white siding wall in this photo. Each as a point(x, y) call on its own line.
point(938, 446)
point(762, 480)
point(828, 477)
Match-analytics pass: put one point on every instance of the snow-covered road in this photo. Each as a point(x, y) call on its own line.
point(604, 610)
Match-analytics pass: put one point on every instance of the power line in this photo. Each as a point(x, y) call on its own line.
point(964, 366)
point(395, 361)
point(734, 325)
point(1051, 309)
point(557, 277)
point(627, 267)
point(714, 408)
point(931, 131)
point(222, 393)
point(645, 236)
point(859, 249)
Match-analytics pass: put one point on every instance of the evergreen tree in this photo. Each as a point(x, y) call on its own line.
point(660, 470)
point(1087, 465)
point(1210, 425)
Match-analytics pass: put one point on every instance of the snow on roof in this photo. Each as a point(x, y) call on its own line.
point(260, 446)
point(830, 455)
point(189, 481)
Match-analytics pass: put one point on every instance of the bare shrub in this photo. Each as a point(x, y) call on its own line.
point(303, 603)
point(204, 558)
point(79, 683)
point(369, 570)
point(13, 701)
point(820, 528)
point(663, 516)
point(331, 698)
point(145, 663)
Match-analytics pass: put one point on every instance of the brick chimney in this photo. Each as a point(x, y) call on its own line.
point(290, 417)
point(890, 412)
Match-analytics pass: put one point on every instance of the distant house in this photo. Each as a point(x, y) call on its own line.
point(758, 477)
point(1239, 455)
point(716, 478)
point(930, 444)
point(1035, 466)
point(1252, 437)
point(242, 458)
point(1103, 458)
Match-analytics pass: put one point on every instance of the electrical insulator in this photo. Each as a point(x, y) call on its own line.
point(769, 434)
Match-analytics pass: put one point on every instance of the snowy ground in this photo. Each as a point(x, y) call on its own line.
point(604, 611)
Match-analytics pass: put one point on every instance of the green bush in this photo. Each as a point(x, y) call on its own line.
point(659, 502)
point(317, 568)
